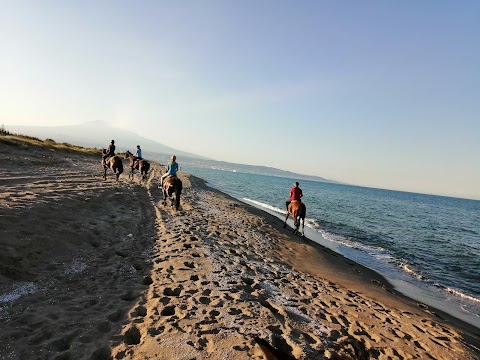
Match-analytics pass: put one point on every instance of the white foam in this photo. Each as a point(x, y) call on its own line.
point(266, 206)
point(222, 169)
point(18, 291)
point(461, 295)
point(76, 267)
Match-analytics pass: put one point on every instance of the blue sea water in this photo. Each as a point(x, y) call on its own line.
point(427, 246)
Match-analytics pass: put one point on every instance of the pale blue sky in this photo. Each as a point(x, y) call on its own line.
point(374, 93)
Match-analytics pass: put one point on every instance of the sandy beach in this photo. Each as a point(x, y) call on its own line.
point(93, 269)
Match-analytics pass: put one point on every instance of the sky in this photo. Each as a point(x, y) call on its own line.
point(382, 94)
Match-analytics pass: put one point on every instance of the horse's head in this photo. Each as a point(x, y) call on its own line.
point(104, 151)
point(128, 154)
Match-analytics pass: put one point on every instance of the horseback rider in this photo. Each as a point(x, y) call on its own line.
point(295, 194)
point(138, 154)
point(109, 152)
point(172, 168)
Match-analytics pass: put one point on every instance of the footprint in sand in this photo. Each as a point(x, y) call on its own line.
point(204, 300)
point(168, 311)
point(139, 311)
point(172, 292)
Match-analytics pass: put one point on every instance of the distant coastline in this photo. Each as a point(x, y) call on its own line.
point(253, 169)
point(99, 133)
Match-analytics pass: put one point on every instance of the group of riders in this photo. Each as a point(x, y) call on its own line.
point(111, 152)
point(296, 193)
point(172, 166)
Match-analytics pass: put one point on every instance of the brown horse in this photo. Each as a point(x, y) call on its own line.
point(172, 188)
point(135, 163)
point(298, 211)
point(114, 163)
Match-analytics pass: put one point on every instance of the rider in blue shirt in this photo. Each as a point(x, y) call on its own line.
point(172, 168)
point(138, 154)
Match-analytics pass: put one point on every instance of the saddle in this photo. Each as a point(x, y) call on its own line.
point(136, 162)
point(105, 160)
point(169, 177)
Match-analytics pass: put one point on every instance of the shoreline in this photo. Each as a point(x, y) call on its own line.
point(416, 293)
point(320, 244)
point(123, 276)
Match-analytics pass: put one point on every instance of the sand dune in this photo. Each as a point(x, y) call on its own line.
point(93, 269)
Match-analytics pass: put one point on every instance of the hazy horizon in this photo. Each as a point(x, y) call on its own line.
point(301, 174)
point(374, 94)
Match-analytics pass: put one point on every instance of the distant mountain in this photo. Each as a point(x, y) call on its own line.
point(98, 134)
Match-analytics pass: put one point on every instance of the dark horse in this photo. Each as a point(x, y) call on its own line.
point(114, 163)
point(135, 163)
point(298, 211)
point(172, 186)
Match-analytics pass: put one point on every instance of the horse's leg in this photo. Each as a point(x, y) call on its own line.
point(286, 218)
point(146, 167)
point(295, 222)
point(177, 199)
point(303, 215)
point(145, 170)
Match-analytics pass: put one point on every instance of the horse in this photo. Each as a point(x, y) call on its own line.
point(172, 186)
point(114, 163)
point(135, 163)
point(298, 211)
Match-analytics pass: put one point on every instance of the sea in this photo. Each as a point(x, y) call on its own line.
point(426, 246)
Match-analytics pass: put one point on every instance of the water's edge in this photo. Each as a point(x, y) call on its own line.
point(408, 290)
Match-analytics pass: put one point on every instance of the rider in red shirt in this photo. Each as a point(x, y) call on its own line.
point(295, 194)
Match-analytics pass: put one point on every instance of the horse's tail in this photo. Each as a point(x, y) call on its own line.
point(302, 212)
point(178, 191)
point(120, 166)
